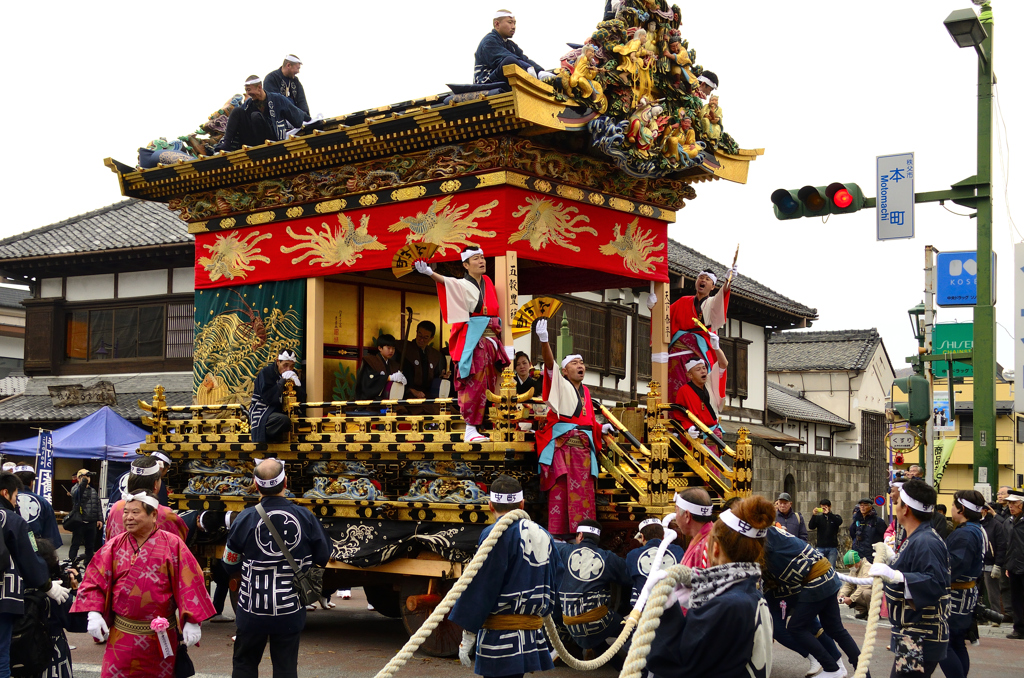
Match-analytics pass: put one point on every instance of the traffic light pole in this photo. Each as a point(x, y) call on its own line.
point(929, 326)
point(986, 469)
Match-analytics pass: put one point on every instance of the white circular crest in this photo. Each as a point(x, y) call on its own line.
point(586, 564)
point(761, 657)
point(291, 534)
point(535, 542)
point(28, 507)
point(647, 559)
point(122, 483)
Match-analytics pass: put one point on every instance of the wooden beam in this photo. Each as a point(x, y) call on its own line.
point(314, 372)
point(661, 329)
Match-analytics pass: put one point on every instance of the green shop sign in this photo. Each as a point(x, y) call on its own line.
point(949, 338)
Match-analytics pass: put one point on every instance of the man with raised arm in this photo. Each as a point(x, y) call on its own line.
point(470, 305)
point(502, 610)
point(497, 50)
point(140, 575)
point(568, 440)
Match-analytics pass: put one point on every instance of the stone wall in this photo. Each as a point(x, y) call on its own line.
point(842, 481)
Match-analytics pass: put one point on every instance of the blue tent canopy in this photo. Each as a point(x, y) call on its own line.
point(104, 434)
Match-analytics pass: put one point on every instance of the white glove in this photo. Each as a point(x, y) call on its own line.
point(997, 572)
point(545, 74)
point(886, 572)
point(735, 270)
point(542, 330)
point(421, 267)
point(57, 592)
point(692, 432)
point(532, 71)
point(466, 649)
point(191, 634)
point(288, 374)
point(890, 555)
point(714, 340)
point(97, 627)
point(652, 301)
point(398, 378)
point(295, 379)
point(608, 428)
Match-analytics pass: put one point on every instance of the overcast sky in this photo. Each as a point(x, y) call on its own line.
point(823, 87)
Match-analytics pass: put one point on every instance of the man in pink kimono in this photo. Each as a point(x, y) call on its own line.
point(693, 518)
point(145, 474)
point(139, 575)
point(470, 305)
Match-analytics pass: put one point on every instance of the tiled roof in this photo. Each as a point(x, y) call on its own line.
point(35, 404)
point(11, 297)
point(127, 224)
point(840, 350)
point(790, 404)
point(689, 262)
point(13, 384)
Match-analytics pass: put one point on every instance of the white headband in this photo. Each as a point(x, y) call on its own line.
point(273, 481)
point(896, 483)
point(569, 358)
point(501, 14)
point(143, 497)
point(714, 278)
point(287, 355)
point(968, 505)
point(145, 470)
point(649, 521)
point(162, 457)
point(693, 363)
point(253, 81)
point(707, 81)
point(471, 252)
point(696, 509)
point(742, 526)
point(24, 469)
point(913, 503)
point(498, 498)
point(292, 58)
point(588, 528)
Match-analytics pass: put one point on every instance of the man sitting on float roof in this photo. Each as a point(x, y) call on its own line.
point(285, 81)
point(497, 50)
point(265, 116)
point(694, 396)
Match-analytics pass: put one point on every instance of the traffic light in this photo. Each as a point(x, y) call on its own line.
point(817, 201)
point(918, 408)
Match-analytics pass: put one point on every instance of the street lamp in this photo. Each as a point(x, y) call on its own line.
point(965, 28)
point(917, 322)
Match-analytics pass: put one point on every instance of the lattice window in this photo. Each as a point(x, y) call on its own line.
point(180, 330)
point(643, 348)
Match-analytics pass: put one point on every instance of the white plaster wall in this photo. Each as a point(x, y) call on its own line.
point(51, 287)
point(183, 280)
point(12, 347)
point(142, 283)
point(88, 287)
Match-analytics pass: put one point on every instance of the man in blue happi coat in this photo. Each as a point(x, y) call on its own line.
point(917, 587)
point(640, 561)
point(586, 591)
point(497, 50)
point(267, 420)
point(264, 116)
point(36, 511)
point(502, 610)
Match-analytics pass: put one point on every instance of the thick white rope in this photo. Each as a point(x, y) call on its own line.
point(874, 613)
point(435, 618)
point(650, 620)
point(859, 581)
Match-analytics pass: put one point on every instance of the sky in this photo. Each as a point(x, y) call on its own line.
point(823, 87)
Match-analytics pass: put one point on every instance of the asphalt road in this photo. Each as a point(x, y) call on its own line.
point(353, 642)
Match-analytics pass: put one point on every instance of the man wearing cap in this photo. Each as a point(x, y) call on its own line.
point(285, 81)
point(693, 519)
point(586, 589)
point(866, 530)
point(917, 586)
point(502, 610)
point(267, 420)
point(145, 475)
point(857, 596)
point(268, 607)
point(264, 116)
point(36, 511)
point(690, 341)
point(470, 306)
point(568, 440)
point(787, 518)
point(379, 370)
point(826, 524)
point(138, 576)
point(497, 50)
point(1013, 531)
point(86, 498)
point(640, 561)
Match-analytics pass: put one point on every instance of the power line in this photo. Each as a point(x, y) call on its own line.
point(1004, 163)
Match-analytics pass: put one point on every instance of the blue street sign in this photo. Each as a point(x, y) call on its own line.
point(956, 278)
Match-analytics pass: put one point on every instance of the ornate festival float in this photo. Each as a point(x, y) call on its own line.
point(568, 185)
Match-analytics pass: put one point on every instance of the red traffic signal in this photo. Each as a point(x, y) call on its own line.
point(839, 195)
point(817, 201)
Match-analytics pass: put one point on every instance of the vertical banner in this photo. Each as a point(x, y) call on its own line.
point(44, 466)
point(1018, 328)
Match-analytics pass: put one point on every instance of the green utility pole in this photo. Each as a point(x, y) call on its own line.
point(986, 467)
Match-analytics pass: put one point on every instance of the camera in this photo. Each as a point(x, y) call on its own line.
point(64, 572)
point(989, 615)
